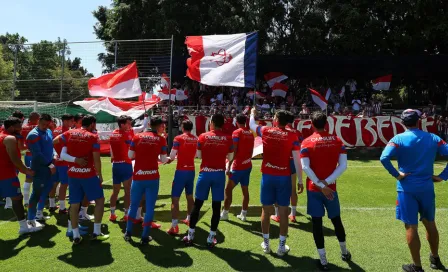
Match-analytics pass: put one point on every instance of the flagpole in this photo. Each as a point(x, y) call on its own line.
point(256, 70)
point(170, 111)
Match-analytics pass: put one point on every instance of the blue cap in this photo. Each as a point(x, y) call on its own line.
point(411, 116)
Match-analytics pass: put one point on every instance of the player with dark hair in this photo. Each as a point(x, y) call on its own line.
point(416, 151)
point(33, 120)
point(146, 148)
point(214, 147)
point(9, 162)
point(40, 143)
point(61, 166)
point(18, 114)
point(78, 120)
point(324, 159)
point(240, 167)
point(278, 145)
point(184, 147)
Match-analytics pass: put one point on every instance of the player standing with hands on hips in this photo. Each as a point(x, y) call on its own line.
point(416, 152)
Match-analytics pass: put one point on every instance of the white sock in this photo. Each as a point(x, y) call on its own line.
point(276, 211)
point(139, 213)
point(224, 212)
point(39, 213)
point(26, 192)
point(174, 223)
point(112, 210)
point(322, 255)
point(62, 205)
point(69, 228)
point(293, 210)
point(190, 233)
point(266, 236)
point(76, 233)
point(282, 241)
point(212, 233)
point(188, 217)
point(23, 224)
point(243, 212)
point(83, 211)
point(97, 228)
point(343, 247)
point(52, 202)
point(8, 202)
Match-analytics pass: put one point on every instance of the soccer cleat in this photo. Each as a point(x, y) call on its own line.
point(322, 266)
point(211, 241)
point(63, 211)
point(173, 230)
point(127, 237)
point(70, 233)
point(266, 248)
point(346, 257)
point(124, 219)
point(29, 229)
point(42, 218)
point(412, 268)
point(35, 224)
point(83, 227)
point(99, 237)
point(138, 220)
point(187, 241)
point(86, 217)
point(186, 222)
point(77, 241)
point(113, 217)
point(241, 217)
point(436, 263)
point(282, 250)
point(53, 209)
point(145, 241)
point(155, 226)
point(275, 218)
point(292, 219)
point(224, 216)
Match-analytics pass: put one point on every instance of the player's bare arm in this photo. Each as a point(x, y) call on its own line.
point(97, 164)
point(10, 143)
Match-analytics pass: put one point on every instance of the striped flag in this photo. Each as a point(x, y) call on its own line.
point(382, 83)
point(274, 77)
point(319, 99)
point(279, 89)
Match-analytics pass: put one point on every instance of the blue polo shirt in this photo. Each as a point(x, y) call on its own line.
point(40, 144)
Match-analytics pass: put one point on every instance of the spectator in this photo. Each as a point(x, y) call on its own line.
point(352, 83)
point(368, 109)
point(356, 105)
point(377, 107)
point(346, 112)
point(265, 107)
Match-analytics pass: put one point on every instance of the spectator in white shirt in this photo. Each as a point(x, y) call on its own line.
point(356, 105)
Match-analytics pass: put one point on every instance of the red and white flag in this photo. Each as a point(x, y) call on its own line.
point(274, 77)
point(258, 95)
point(164, 94)
point(181, 95)
point(382, 83)
point(117, 107)
point(342, 92)
point(328, 94)
point(122, 83)
point(165, 81)
point(147, 96)
point(279, 89)
point(319, 99)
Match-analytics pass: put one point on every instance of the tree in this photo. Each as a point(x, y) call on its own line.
point(6, 76)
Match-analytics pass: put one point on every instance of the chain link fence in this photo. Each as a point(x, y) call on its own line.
point(54, 72)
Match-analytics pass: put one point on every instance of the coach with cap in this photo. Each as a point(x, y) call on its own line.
point(416, 151)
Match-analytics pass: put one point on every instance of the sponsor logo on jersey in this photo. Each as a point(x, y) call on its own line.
point(324, 139)
point(278, 132)
point(268, 165)
point(246, 161)
point(144, 173)
point(207, 169)
point(218, 138)
point(80, 170)
point(247, 132)
point(148, 137)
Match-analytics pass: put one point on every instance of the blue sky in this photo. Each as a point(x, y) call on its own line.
point(49, 19)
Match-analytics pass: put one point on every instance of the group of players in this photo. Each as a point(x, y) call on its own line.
point(70, 155)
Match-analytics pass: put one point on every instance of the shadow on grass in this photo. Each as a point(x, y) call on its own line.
point(8, 247)
point(43, 238)
point(88, 255)
point(308, 227)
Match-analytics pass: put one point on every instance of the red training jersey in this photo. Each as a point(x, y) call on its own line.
point(120, 141)
point(299, 136)
point(243, 141)
point(147, 147)
point(186, 146)
point(81, 143)
point(214, 146)
point(323, 151)
point(278, 144)
point(58, 147)
point(7, 168)
point(25, 131)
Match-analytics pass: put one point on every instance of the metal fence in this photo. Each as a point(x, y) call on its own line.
point(59, 71)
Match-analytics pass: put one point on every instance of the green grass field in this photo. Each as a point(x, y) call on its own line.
point(367, 195)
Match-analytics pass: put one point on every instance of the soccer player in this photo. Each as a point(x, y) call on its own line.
point(40, 143)
point(82, 151)
point(61, 166)
point(9, 162)
point(278, 145)
point(120, 141)
point(214, 147)
point(240, 167)
point(184, 146)
point(294, 175)
point(416, 151)
point(324, 159)
point(33, 119)
point(146, 148)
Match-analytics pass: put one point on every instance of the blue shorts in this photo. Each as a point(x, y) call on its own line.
point(293, 167)
point(62, 173)
point(55, 178)
point(183, 179)
point(90, 187)
point(275, 189)
point(211, 180)
point(241, 176)
point(121, 172)
point(409, 205)
point(318, 203)
point(27, 160)
point(10, 187)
